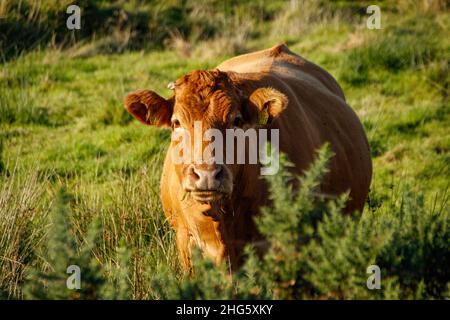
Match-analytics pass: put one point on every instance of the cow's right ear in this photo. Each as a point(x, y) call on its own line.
point(149, 108)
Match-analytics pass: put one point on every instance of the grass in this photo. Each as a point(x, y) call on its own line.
point(62, 124)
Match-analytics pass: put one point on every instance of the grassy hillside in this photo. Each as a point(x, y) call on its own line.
point(62, 122)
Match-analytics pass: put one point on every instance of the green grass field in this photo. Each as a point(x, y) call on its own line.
point(62, 123)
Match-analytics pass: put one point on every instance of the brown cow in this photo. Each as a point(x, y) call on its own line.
point(302, 100)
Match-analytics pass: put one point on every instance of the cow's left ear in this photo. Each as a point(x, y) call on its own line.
point(269, 103)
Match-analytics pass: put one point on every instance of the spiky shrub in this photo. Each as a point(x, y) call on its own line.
point(61, 251)
point(289, 223)
point(318, 252)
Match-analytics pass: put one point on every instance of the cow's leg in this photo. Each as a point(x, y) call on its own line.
point(184, 248)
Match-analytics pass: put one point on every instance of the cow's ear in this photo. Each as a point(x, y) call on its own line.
point(149, 108)
point(269, 103)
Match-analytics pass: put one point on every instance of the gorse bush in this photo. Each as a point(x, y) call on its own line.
point(315, 251)
point(318, 252)
point(61, 251)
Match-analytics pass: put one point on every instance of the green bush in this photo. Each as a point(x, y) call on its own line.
point(61, 251)
point(319, 252)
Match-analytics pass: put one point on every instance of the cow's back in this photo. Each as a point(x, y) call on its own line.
point(316, 113)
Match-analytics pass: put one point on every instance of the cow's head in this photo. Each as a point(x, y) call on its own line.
point(217, 101)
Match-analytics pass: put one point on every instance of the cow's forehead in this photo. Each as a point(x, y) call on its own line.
point(216, 107)
point(203, 95)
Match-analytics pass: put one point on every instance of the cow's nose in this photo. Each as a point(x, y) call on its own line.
point(206, 177)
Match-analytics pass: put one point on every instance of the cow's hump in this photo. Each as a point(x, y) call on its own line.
point(259, 61)
point(279, 61)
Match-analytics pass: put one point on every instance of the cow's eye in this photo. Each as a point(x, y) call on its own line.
point(237, 121)
point(175, 124)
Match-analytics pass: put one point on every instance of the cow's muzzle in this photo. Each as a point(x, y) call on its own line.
point(207, 183)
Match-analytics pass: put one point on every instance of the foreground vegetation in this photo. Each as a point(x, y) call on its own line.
point(62, 125)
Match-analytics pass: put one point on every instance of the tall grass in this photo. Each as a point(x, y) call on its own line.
point(23, 212)
point(116, 25)
point(130, 212)
point(19, 106)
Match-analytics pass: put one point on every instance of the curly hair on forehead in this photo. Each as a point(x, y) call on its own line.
point(205, 93)
point(203, 81)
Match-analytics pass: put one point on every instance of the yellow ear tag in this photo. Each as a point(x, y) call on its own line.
point(263, 116)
